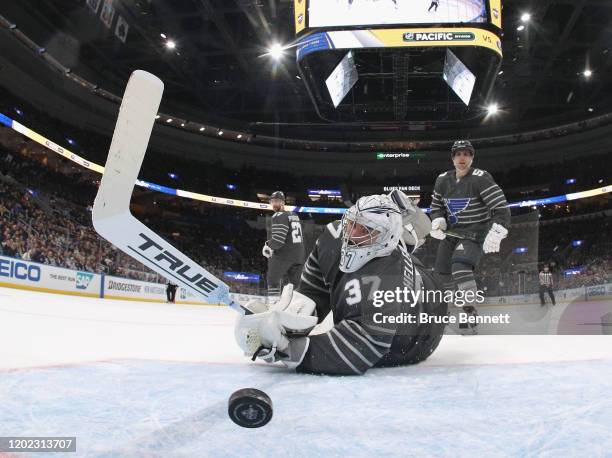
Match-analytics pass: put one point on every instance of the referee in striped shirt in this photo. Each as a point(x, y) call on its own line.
point(546, 286)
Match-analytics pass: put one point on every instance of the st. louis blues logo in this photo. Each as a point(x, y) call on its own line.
point(455, 206)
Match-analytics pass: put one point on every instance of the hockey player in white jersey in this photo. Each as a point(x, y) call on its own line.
point(354, 261)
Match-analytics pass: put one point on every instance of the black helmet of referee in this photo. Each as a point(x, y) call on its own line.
point(462, 145)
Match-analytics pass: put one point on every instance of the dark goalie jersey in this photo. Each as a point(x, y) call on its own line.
point(357, 342)
point(471, 204)
point(286, 238)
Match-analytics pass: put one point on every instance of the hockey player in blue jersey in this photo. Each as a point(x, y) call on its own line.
point(470, 216)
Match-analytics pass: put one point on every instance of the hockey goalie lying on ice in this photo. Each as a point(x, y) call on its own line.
point(353, 258)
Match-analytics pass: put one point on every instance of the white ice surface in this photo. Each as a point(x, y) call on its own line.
point(141, 379)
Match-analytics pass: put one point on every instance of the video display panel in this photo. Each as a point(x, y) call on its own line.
point(339, 13)
point(459, 77)
point(342, 79)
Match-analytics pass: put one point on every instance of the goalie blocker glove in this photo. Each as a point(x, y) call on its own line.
point(280, 333)
point(417, 224)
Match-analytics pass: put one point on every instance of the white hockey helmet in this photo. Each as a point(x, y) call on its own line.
point(371, 228)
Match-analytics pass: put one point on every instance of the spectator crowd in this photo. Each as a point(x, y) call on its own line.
point(45, 216)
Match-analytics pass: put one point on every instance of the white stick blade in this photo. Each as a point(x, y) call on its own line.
point(139, 107)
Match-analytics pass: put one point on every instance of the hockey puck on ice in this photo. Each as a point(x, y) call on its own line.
point(250, 408)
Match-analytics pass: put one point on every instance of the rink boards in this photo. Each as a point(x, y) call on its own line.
point(528, 316)
point(33, 276)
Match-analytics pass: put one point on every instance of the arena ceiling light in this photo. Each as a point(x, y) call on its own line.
point(276, 51)
point(525, 17)
point(520, 28)
point(588, 73)
point(163, 35)
point(170, 44)
point(492, 109)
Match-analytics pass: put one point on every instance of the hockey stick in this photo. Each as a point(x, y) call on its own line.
point(111, 214)
point(467, 236)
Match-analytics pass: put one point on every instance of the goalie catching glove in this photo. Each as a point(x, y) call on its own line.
point(280, 333)
point(492, 242)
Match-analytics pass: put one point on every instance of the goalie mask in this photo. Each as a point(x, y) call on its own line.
point(371, 228)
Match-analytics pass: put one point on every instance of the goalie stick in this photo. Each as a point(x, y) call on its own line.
point(111, 214)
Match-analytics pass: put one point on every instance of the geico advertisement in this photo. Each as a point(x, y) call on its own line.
point(32, 275)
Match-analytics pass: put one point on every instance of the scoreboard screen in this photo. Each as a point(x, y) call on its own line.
point(351, 14)
point(342, 13)
point(459, 41)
